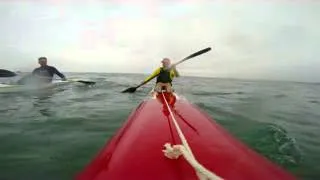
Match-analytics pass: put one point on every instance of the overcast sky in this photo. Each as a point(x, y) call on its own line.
point(272, 39)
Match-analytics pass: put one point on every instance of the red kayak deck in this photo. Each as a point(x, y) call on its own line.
point(135, 152)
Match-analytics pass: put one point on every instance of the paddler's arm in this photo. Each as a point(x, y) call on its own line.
point(176, 73)
point(156, 72)
point(59, 74)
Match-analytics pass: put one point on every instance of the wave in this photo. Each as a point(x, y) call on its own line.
point(314, 102)
point(199, 93)
point(270, 140)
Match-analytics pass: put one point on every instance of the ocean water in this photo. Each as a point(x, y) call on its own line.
point(52, 135)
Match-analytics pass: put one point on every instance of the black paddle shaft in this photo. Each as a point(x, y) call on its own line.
point(194, 55)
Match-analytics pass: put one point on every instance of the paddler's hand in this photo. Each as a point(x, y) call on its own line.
point(173, 67)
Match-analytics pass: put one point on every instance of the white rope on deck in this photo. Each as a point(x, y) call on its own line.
point(173, 152)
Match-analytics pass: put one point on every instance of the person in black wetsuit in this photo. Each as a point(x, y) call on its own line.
point(46, 72)
point(42, 74)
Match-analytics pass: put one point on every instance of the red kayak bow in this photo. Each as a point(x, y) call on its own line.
point(136, 150)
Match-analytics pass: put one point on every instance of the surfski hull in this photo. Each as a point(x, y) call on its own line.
point(135, 151)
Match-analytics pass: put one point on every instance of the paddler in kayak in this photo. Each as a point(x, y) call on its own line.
point(46, 72)
point(42, 74)
point(170, 76)
point(166, 74)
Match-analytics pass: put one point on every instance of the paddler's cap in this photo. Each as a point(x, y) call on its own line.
point(166, 60)
point(42, 58)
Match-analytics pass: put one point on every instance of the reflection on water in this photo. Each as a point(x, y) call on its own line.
point(42, 100)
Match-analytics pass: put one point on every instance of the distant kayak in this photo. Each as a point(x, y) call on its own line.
point(32, 87)
point(6, 73)
point(137, 150)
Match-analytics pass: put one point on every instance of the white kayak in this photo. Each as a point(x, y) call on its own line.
point(27, 88)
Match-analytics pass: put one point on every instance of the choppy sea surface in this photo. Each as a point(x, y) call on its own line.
point(52, 135)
